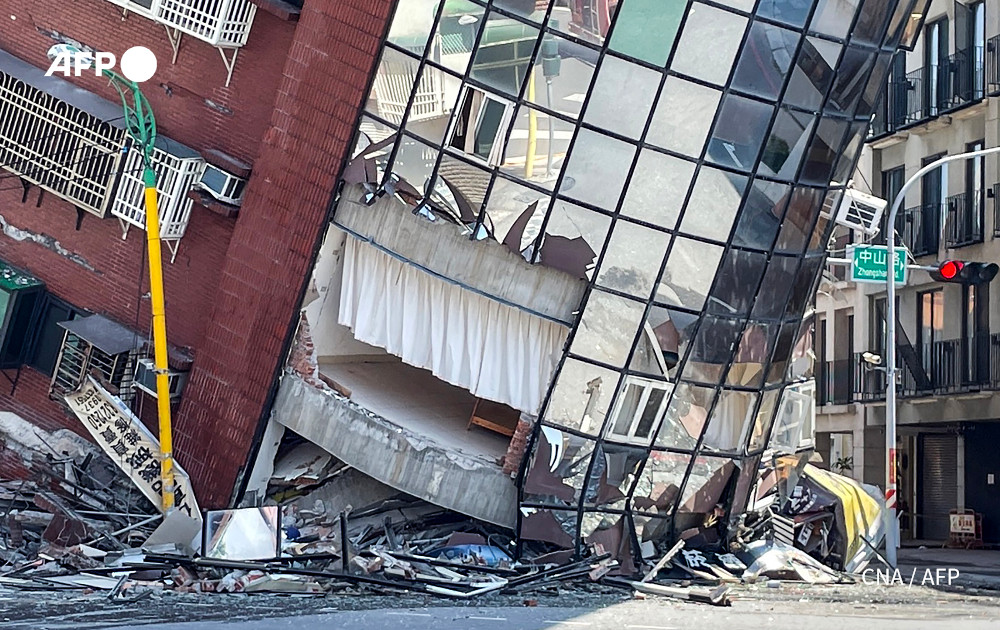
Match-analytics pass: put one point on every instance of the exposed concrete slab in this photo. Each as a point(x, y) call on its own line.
point(398, 457)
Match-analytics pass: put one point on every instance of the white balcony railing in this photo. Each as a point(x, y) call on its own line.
point(72, 143)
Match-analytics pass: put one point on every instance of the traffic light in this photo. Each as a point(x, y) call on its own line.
point(965, 272)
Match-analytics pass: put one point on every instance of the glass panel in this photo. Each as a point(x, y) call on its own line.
point(689, 273)
point(581, 396)
point(834, 17)
point(737, 283)
point(528, 9)
point(4, 302)
point(713, 205)
point(552, 138)
point(739, 132)
point(633, 259)
point(803, 207)
point(752, 356)
point(638, 410)
point(731, 422)
point(571, 221)
point(765, 60)
point(820, 238)
point(623, 97)
point(713, 349)
point(558, 527)
point(685, 417)
point(798, 405)
point(802, 359)
point(461, 189)
point(802, 292)
point(457, 32)
point(709, 43)
point(762, 214)
point(607, 328)
point(660, 482)
point(412, 24)
point(850, 81)
point(433, 104)
point(646, 29)
point(480, 125)
point(663, 341)
point(508, 202)
point(845, 164)
point(770, 303)
point(563, 75)
point(683, 116)
point(557, 467)
point(791, 12)
point(823, 151)
point(503, 57)
point(871, 23)
point(597, 169)
point(414, 163)
point(813, 73)
point(706, 482)
point(393, 84)
point(614, 472)
point(763, 419)
point(782, 352)
point(658, 187)
point(787, 144)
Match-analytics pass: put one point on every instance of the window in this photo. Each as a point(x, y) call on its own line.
point(20, 295)
point(639, 410)
point(480, 124)
point(796, 419)
point(50, 335)
point(936, 64)
point(95, 344)
point(930, 324)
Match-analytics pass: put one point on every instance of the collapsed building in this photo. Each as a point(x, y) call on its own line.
point(566, 286)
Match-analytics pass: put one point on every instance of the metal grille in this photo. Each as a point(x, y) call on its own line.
point(64, 150)
point(175, 176)
point(939, 485)
point(77, 358)
point(221, 23)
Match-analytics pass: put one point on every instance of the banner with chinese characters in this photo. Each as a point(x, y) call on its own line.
point(129, 444)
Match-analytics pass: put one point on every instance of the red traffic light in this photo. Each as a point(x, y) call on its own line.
point(949, 269)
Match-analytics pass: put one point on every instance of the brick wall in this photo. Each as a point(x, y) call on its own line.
point(517, 447)
point(273, 246)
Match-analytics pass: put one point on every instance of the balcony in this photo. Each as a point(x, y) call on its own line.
point(835, 382)
point(964, 224)
point(950, 368)
point(993, 66)
point(224, 24)
point(919, 228)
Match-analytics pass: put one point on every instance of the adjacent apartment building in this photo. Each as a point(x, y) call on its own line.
point(940, 99)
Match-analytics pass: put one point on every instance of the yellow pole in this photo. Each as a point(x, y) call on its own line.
point(529, 156)
point(159, 340)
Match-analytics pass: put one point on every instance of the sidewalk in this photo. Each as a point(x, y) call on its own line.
point(977, 568)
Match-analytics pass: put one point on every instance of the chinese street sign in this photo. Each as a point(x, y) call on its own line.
point(868, 264)
point(129, 444)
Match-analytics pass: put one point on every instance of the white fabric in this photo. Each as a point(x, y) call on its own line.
point(495, 351)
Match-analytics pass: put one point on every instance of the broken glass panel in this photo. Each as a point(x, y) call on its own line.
point(557, 468)
point(243, 534)
point(663, 341)
point(461, 189)
point(731, 422)
point(714, 202)
point(756, 344)
point(581, 396)
point(646, 29)
point(685, 416)
point(820, 239)
point(507, 202)
point(503, 57)
point(705, 485)
point(813, 73)
point(597, 169)
point(801, 366)
point(763, 420)
point(393, 84)
point(800, 217)
point(633, 259)
point(660, 482)
point(765, 60)
point(558, 527)
point(608, 110)
point(658, 187)
point(457, 32)
point(739, 132)
point(709, 43)
point(713, 348)
point(414, 163)
point(412, 24)
point(613, 473)
point(683, 116)
point(571, 221)
point(607, 328)
point(689, 273)
point(782, 352)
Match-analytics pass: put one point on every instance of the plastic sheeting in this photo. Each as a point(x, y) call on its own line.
point(496, 351)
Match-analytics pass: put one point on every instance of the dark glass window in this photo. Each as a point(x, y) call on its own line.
point(739, 277)
point(50, 334)
point(813, 73)
point(765, 61)
point(791, 12)
point(739, 132)
point(778, 279)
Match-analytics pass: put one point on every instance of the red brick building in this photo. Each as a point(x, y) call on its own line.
point(283, 119)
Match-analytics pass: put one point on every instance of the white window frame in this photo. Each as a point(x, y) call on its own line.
point(498, 147)
point(647, 385)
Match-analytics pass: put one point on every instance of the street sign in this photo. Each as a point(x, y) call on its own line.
point(868, 264)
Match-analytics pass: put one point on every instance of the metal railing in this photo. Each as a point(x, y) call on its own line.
point(835, 382)
point(964, 224)
point(992, 54)
point(919, 228)
point(996, 210)
point(222, 23)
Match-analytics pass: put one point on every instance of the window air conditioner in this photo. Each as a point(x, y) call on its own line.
point(145, 379)
point(225, 187)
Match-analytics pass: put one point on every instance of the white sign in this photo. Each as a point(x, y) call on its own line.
point(129, 444)
point(963, 524)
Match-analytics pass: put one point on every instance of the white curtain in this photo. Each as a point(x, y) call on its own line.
point(495, 351)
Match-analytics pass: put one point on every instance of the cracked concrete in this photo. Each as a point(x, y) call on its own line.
point(46, 241)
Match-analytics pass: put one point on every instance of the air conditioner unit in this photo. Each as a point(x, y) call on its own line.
point(860, 211)
point(145, 379)
point(225, 187)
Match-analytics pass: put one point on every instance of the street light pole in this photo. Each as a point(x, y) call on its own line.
point(141, 125)
point(891, 531)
